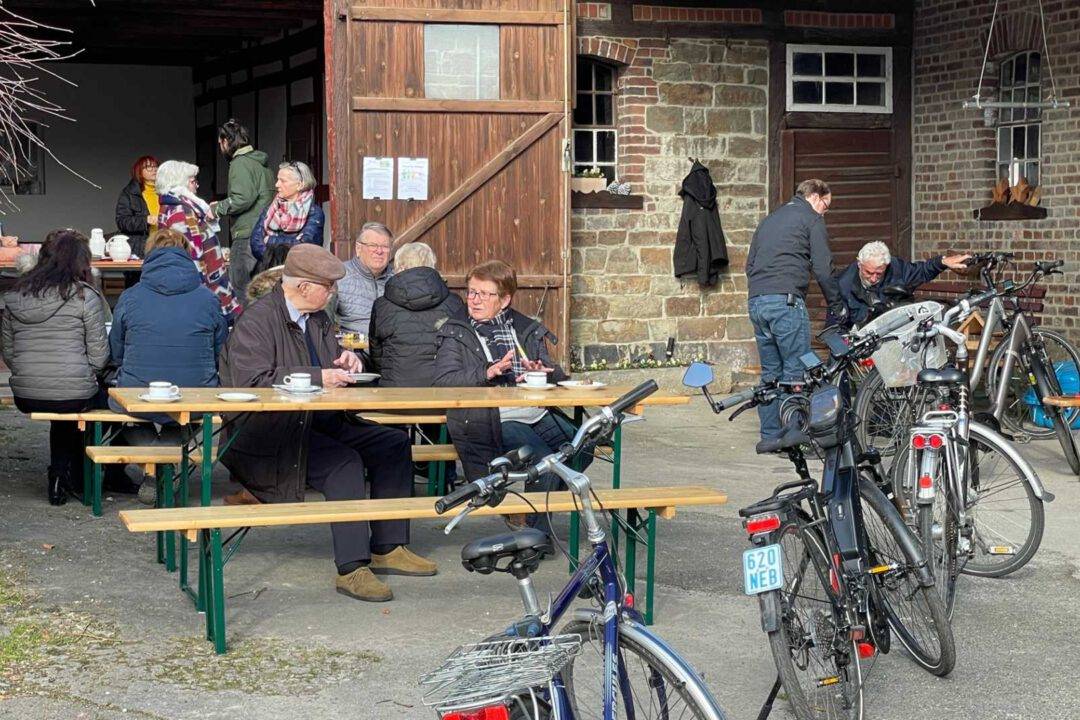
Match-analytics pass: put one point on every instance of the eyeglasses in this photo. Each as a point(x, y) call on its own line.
point(480, 294)
point(328, 288)
point(375, 246)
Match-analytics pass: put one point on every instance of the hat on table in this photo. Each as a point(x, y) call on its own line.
point(312, 262)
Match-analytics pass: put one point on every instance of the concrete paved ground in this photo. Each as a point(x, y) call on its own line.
point(91, 627)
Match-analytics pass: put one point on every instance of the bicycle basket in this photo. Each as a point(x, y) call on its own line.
point(495, 670)
point(898, 365)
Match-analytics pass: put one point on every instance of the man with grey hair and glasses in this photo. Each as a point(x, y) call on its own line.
point(365, 277)
point(863, 283)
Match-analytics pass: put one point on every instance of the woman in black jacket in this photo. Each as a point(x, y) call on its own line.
point(137, 207)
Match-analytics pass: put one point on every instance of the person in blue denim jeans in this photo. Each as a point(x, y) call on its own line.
point(788, 246)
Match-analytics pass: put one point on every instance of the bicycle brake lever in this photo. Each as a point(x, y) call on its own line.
point(457, 519)
point(741, 410)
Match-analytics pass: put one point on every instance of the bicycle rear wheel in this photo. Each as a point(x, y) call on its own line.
point(647, 688)
point(1047, 385)
point(916, 613)
point(819, 670)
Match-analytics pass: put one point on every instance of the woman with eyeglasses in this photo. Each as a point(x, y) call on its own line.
point(292, 217)
point(188, 214)
point(137, 207)
point(495, 346)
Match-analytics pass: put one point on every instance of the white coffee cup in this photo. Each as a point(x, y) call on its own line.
point(536, 378)
point(300, 381)
point(163, 390)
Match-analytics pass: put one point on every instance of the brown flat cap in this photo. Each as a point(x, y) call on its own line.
point(312, 262)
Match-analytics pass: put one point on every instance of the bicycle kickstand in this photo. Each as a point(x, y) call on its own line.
point(766, 709)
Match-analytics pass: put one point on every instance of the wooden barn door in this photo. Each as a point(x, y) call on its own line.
point(862, 173)
point(480, 88)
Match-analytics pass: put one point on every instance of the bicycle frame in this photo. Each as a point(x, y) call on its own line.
point(1018, 336)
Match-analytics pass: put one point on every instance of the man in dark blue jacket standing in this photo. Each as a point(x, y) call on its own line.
point(863, 283)
point(788, 245)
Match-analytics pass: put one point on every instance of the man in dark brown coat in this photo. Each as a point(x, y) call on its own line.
point(276, 455)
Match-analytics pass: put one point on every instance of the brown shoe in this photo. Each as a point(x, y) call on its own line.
point(242, 497)
point(362, 585)
point(517, 521)
point(400, 561)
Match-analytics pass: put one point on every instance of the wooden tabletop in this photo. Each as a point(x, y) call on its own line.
point(204, 400)
point(1063, 400)
point(126, 266)
point(663, 499)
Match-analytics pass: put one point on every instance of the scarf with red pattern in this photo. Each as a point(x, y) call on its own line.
point(287, 216)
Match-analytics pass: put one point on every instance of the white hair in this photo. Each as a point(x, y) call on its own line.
point(303, 173)
point(414, 254)
point(174, 175)
point(875, 252)
point(290, 280)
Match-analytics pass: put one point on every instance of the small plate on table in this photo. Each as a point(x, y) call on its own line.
point(582, 385)
point(147, 397)
point(363, 377)
point(545, 386)
point(237, 397)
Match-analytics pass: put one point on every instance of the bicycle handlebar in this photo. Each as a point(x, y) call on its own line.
point(736, 399)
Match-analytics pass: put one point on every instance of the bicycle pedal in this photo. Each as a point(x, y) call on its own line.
point(1021, 438)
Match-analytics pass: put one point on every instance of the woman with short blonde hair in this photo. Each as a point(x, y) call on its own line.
point(292, 217)
point(413, 255)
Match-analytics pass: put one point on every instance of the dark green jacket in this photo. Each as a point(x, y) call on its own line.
point(251, 188)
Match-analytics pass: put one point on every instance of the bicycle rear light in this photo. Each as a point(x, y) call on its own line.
point(491, 712)
point(926, 488)
point(936, 441)
point(867, 362)
point(931, 440)
point(762, 523)
point(866, 650)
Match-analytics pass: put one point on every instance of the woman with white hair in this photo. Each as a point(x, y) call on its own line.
point(404, 320)
point(293, 216)
point(180, 209)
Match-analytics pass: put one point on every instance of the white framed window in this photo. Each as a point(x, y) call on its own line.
point(839, 78)
point(595, 136)
point(1020, 129)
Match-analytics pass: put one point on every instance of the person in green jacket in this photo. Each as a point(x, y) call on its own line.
point(251, 188)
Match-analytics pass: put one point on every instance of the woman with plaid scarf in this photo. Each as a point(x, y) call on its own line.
point(497, 345)
point(292, 217)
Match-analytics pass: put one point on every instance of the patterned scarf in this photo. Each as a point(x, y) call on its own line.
point(499, 337)
point(288, 216)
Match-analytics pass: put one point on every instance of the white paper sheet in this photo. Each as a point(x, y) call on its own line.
point(378, 178)
point(412, 178)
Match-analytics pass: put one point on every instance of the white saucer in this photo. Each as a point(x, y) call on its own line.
point(545, 386)
point(237, 397)
point(363, 377)
point(290, 390)
point(579, 385)
point(145, 397)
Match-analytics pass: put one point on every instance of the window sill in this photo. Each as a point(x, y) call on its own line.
point(606, 200)
point(1013, 211)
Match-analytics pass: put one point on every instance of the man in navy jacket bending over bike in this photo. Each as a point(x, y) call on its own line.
point(788, 246)
point(862, 284)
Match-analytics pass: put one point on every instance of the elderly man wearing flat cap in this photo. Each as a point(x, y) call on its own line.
point(276, 455)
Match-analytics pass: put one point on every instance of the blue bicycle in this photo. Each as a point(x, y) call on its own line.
point(604, 662)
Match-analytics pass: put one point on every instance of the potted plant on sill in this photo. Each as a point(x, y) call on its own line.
point(589, 181)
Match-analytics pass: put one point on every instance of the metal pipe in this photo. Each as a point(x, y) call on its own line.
point(1053, 104)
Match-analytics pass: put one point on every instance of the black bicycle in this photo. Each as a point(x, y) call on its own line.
point(835, 569)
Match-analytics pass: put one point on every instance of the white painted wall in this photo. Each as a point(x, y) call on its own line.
point(121, 112)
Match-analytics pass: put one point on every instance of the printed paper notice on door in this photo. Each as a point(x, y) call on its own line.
point(379, 178)
point(412, 178)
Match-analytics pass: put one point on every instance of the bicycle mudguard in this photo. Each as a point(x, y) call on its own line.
point(678, 667)
point(988, 433)
point(771, 610)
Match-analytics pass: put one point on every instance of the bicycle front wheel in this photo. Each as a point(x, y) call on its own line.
point(915, 613)
point(1017, 416)
point(819, 670)
point(645, 688)
point(885, 414)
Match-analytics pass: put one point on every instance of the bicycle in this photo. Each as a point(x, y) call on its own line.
point(962, 512)
point(526, 672)
point(889, 412)
point(836, 570)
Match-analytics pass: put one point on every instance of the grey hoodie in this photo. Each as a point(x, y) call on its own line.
point(54, 347)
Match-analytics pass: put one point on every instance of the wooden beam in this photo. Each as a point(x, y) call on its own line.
point(445, 15)
point(473, 183)
point(312, 69)
point(269, 52)
point(461, 106)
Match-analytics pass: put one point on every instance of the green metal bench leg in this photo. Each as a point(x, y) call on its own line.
point(572, 541)
point(160, 533)
point(182, 501)
point(631, 550)
point(215, 614)
point(204, 500)
point(650, 568)
point(98, 474)
point(165, 499)
point(88, 467)
point(616, 479)
point(432, 479)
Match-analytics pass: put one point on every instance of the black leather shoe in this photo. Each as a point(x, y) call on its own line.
point(58, 482)
point(120, 484)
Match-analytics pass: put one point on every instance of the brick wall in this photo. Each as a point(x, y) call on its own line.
point(677, 98)
point(954, 153)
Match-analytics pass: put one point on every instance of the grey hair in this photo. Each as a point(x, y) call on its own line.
point(290, 280)
point(302, 172)
point(414, 254)
point(375, 227)
point(876, 252)
point(174, 174)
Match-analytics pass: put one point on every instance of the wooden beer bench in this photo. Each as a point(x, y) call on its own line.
point(207, 523)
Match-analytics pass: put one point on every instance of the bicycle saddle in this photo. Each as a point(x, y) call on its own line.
point(524, 547)
point(942, 376)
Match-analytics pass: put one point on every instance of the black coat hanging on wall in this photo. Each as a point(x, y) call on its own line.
point(700, 248)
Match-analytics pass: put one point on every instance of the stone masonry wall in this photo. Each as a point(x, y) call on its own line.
point(677, 98)
point(954, 153)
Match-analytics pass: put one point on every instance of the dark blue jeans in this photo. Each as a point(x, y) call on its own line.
point(782, 333)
